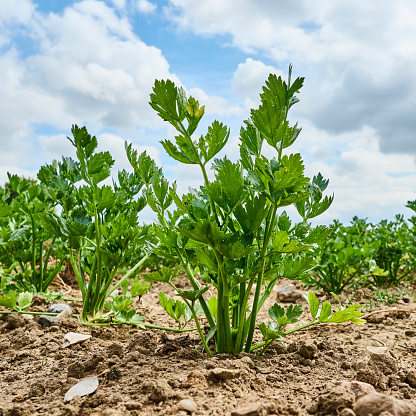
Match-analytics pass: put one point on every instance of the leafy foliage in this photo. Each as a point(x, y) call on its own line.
point(275, 331)
point(99, 222)
point(230, 229)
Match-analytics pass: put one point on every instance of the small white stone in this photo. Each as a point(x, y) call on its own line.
point(188, 405)
point(248, 361)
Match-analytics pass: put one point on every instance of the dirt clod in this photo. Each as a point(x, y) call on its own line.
point(335, 398)
point(381, 359)
point(115, 348)
point(14, 321)
point(411, 379)
point(376, 403)
point(359, 388)
point(308, 349)
point(249, 409)
point(158, 390)
point(223, 374)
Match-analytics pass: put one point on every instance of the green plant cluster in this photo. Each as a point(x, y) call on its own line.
point(364, 254)
point(231, 238)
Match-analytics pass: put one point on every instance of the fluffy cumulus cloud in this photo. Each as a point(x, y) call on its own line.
point(358, 57)
point(89, 68)
point(249, 78)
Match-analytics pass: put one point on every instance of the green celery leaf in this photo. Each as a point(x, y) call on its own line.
point(167, 101)
point(137, 320)
point(176, 154)
point(139, 288)
point(206, 258)
point(295, 268)
point(276, 312)
point(325, 312)
point(268, 334)
point(213, 306)
point(192, 295)
point(165, 274)
point(174, 308)
point(124, 287)
point(252, 213)
point(313, 303)
point(9, 300)
point(284, 222)
point(267, 119)
point(251, 138)
point(216, 139)
point(293, 312)
point(228, 188)
point(279, 240)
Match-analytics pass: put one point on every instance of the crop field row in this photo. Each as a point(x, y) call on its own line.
point(231, 240)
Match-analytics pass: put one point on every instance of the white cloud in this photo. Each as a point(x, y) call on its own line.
point(16, 11)
point(91, 69)
point(248, 79)
point(365, 182)
point(119, 4)
point(357, 57)
point(145, 6)
point(214, 104)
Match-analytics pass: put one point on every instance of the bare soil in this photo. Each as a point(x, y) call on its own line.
point(150, 372)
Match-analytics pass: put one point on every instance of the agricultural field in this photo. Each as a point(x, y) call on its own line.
point(224, 305)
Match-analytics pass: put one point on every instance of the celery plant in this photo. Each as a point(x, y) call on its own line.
point(98, 222)
point(27, 246)
point(233, 229)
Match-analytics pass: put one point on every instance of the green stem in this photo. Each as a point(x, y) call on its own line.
point(80, 279)
point(29, 313)
point(201, 335)
point(195, 285)
point(40, 267)
point(127, 275)
point(32, 220)
point(255, 308)
point(223, 309)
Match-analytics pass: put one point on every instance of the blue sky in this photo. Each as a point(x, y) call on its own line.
point(93, 63)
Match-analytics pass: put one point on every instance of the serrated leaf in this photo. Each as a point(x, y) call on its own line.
point(176, 154)
point(192, 295)
point(9, 300)
point(294, 268)
point(293, 312)
point(215, 139)
point(164, 100)
point(206, 258)
point(174, 308)
point(284, 222)
point(280, 239)
point(165, 274)
point(276, 312)
point(139, 288)
point(251, 138)
point(252, 213)
point(268, 334)
point(228, 188)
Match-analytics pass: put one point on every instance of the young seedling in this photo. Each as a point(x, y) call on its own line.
point(274, 331)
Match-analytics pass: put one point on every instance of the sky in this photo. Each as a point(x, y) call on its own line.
point(94, 62)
